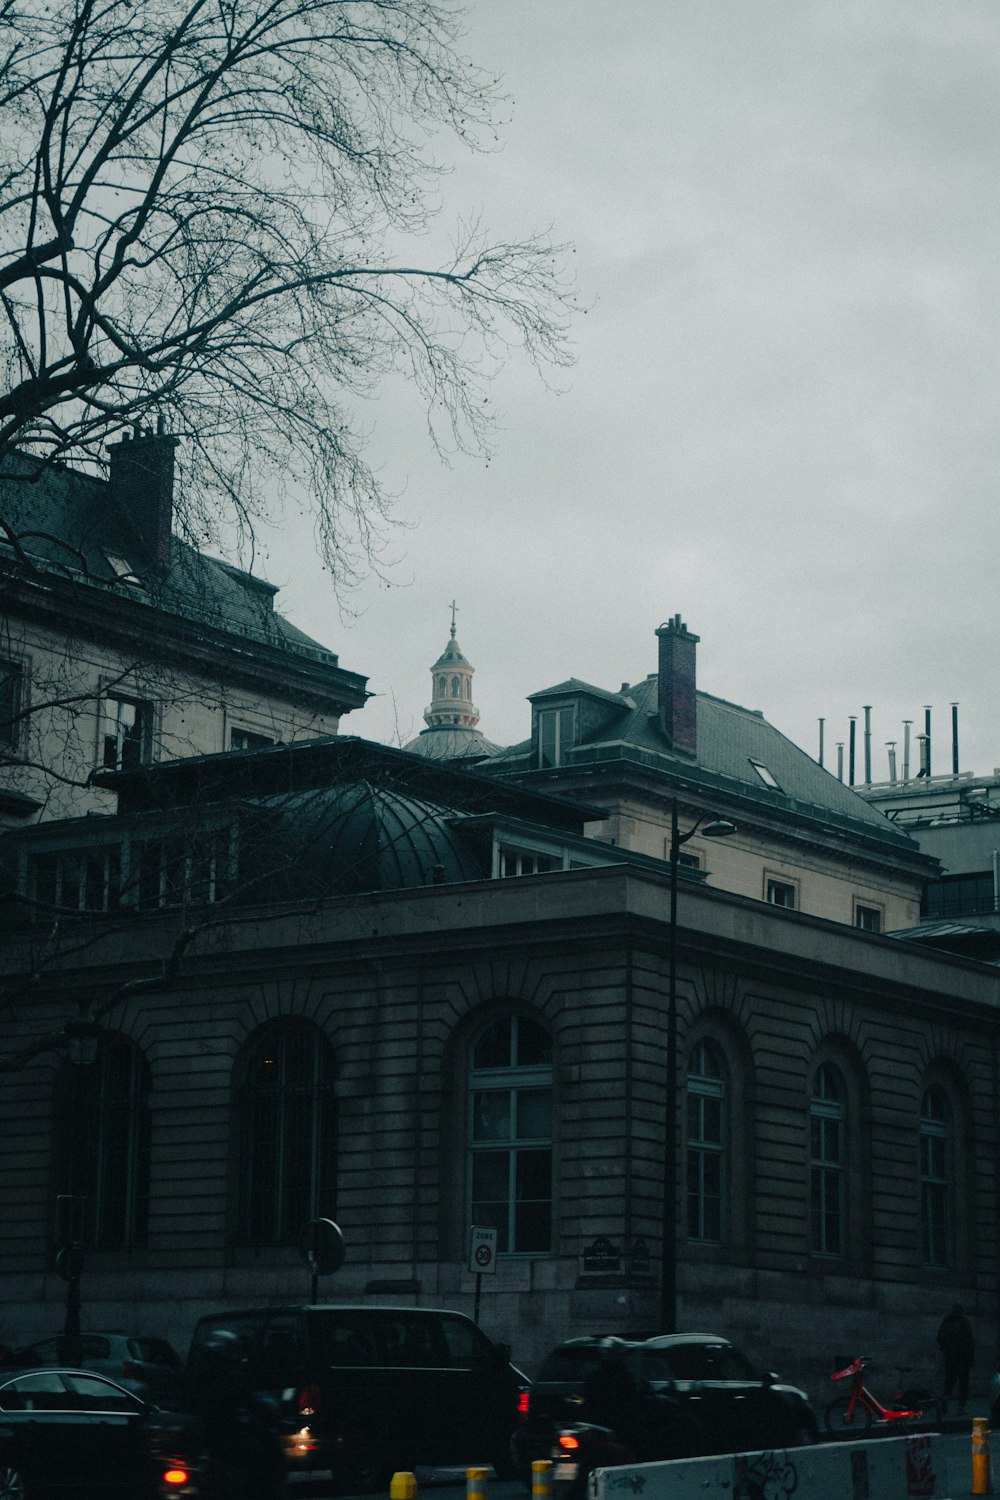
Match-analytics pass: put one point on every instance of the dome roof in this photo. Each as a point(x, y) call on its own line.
point(452, 742)
point(364, 837)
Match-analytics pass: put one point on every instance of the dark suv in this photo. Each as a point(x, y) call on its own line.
point(374, 1389)
point(685, 1394)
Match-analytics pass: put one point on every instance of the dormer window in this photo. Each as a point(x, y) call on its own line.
point(555, 736)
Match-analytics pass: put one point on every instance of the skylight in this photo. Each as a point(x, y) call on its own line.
point(766, 776)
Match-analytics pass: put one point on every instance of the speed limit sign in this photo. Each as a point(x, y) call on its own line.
point(483, 1254)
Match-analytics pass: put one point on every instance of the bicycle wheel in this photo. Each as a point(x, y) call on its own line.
point(840, 1421)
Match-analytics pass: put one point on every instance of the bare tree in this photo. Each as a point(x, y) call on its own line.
point(204, 213)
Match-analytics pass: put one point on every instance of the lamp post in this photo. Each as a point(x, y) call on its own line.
point(81, 1033)
point(715, 828)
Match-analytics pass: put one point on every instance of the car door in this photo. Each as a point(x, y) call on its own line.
point(115, 1424)
point(478, 1408)
point(54, 1439)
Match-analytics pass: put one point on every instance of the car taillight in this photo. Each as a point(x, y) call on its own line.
point(175, 1476)
point(308, 1400)
point(131, 1371)
point(569, 1441)
point(523, 1403)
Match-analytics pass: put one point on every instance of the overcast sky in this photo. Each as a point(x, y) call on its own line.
point(783, 419)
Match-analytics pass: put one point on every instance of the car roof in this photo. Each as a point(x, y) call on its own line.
point(673, 1340)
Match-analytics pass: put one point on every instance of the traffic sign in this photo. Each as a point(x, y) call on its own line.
point(483, 1252)
point(321, 1246)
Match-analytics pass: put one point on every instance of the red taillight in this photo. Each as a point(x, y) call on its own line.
point(175, 1476)
point(523, 1403)
point(308, 1400)
point(568, 1441)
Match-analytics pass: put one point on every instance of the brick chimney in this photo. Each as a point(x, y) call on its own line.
point(676, 684)
point(142, 487)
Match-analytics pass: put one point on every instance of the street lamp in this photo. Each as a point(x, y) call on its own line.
point(715, 828)
point(81, 1034)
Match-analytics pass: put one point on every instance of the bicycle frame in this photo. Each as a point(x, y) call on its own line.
point(861, 1395)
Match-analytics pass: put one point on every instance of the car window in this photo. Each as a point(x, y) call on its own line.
point(656, 1365)
point(464, 1342)
point(46, 1352)
point(409, 1339)
point(44, 1391)
point(279, 1355)
point(733, 1364)
point(347, 1339)
point(100, 1395)
point(155, 1352)
point(688, 1362)
point(569, 1366)
point(92, 1346)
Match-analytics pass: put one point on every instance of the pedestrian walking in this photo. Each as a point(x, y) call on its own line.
point(958, 1347)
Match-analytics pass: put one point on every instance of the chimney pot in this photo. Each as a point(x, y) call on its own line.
point(142, 488)
point(677, 698)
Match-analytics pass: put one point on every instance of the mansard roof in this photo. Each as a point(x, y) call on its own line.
point(739, 755)
point(61, 533)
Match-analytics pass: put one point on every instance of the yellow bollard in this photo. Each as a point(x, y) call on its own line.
point(541, 1479)
point(403, 1486)
point(475, 1484)
point(981, 1456)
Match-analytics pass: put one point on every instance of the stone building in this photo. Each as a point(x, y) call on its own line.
point(122, 644)
point(413, 997)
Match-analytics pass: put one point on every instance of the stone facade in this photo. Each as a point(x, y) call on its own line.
point(399, 986)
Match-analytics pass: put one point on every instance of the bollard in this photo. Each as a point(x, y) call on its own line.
point(541, 1479)
point(475, 1484)
point(981, 1456)
point(403, 1486)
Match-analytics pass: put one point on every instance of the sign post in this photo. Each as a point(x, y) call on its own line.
point(482, 1258)
point(321, 1246)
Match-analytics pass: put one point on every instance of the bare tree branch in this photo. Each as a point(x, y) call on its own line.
point(203, 208)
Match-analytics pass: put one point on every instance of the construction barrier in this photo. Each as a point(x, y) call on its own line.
point(883, 1469)
point(475, 1484)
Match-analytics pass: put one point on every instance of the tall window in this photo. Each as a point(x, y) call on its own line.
point(826, 1166)
point(706, 1125)
point(126, 734)
point(76, 879)
point(555, 736)
point(935, 1120)
point(510, 1134)
point(103, 1131)
point(11, 685)
point(288, 1133)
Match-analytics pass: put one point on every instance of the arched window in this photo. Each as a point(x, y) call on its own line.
point(935, 1185)
point(826, 1163)
point(103, 1138)
point(456, 687)
point(510, 1134)
point(706, 1144)
point(442, 686)
point(287, 1110)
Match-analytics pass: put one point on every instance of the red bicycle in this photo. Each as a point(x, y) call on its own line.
point(851, 1415)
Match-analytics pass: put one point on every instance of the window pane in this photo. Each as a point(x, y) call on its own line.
point(491, 1115)
point(534, 1114)
point(493, 1047)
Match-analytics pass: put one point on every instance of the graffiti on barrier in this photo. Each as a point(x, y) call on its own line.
point(920, 1476)
point(764, 1476)
point(617, 1480)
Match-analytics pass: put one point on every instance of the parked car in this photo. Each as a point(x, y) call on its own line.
point(375, 1389)
point(72, 1433)
point(148, 1367)
point(680, 1395)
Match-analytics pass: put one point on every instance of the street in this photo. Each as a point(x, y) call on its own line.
point(432, 1484)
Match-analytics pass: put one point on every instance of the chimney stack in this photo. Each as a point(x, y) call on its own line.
point(142, 487)
point(677, 686)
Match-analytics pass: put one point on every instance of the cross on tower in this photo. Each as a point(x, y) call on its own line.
point(454, 608)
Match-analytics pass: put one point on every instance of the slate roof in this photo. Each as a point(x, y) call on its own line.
point(729, 740)
point(66, 524)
